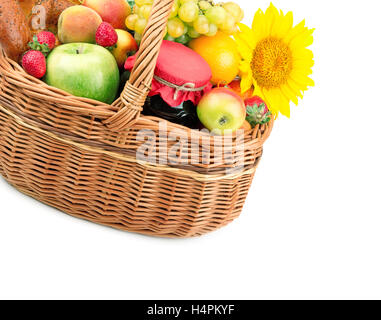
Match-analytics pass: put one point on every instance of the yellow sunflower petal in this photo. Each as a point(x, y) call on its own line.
point(284, 106)
point(298, 29)
point(272, 100)
point(283, 25)
point(245, 51)
point(271, 15)
point(258, 22)
point(244, 66)
point(289, 93)
point(303, 39)
point(246, 35)
point(258, 92)
point(246, 81)
point(302, 80)
point(295, 88)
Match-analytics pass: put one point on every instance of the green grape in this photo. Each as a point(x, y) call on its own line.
point(234, 9)
point(216, 15)
point(169, 38)
point(138, 37)
point(135, 9)
point(213, 29)
point(131, 21)
point(201, 24)
point(184, 39)
point(140, 25)
point(141, 3)
point(175, 9)
point(186, 28)
point(193, 33)
point(188, 12)
point(184, 1)
point(145, 11)
point(204, 5)
point(229, 25)
point(176, 27)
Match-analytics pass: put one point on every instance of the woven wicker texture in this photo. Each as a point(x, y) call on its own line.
point(79, 155)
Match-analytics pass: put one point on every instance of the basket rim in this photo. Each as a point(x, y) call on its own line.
point(102, 111)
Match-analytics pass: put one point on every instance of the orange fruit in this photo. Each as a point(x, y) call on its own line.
point(220, 52)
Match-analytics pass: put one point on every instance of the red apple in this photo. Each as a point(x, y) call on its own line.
point(222, 110)
point(114, 12)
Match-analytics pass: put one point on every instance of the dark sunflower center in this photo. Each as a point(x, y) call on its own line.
point(271, 63)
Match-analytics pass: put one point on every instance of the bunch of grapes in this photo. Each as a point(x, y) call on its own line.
point(189, 19)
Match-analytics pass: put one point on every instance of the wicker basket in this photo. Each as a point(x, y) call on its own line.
point(79, 155)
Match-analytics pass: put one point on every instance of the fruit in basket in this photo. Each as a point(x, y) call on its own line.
point(188, 11)
point(176, 28)
point(235, 85)
point(84, 70)
point(131, 21)
point(189, 19)
point(235, 10)
point(34, 63)
point(220, 52)
point(106, 35)
point(246, 126)
point(257, 111)
point(114, 12)
point(48, 38)
point(216, 15)
point(222, 110)
point(78, 24)
point(125, 46)
point(44, 41)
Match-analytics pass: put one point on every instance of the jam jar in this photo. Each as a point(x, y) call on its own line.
point(180, 80)
point(185, 114)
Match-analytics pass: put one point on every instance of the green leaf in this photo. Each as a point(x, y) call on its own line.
point(131, 3)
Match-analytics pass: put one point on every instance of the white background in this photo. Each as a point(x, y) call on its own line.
point(311, 227)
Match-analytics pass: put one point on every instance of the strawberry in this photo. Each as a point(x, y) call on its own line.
point(106, 35)
point(44, 41)
point(257, 111)
point(34, 63)
point(48, 38)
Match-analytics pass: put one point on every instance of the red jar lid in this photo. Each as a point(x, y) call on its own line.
point(180, 75)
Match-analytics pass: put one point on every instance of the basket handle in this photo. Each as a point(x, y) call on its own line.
point(138, 86)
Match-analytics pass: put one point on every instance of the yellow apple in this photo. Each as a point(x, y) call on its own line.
point(126, 45)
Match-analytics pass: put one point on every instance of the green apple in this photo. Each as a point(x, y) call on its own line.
point(221, 110)
point(84, 70)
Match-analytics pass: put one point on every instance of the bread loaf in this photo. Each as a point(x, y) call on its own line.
point(14, 30)
point(54, 9)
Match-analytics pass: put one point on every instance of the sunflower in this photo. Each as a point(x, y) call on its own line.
point(275, 59)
